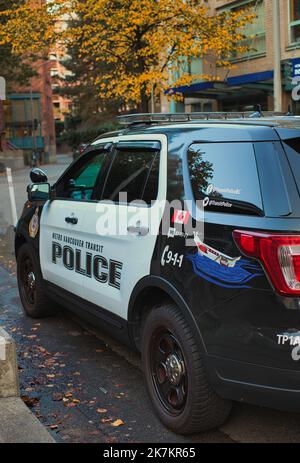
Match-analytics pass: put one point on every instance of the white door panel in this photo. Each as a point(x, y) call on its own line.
point(132, 252)
point(56, 234)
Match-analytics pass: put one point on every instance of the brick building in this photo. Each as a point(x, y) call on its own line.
point(250, 82)
point(28, 115)
point(59, 74)
point(29, 120)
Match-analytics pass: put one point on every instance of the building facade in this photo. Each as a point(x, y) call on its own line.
point(62, 105)
point(250, 81)
point(28, 115)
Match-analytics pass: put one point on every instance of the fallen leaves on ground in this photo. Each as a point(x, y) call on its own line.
point(117, 423)
point(30, 401)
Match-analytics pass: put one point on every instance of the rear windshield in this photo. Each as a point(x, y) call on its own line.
point(225, 177)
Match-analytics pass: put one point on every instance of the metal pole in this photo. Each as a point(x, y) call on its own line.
point(12, 196)
point(277, 56)
point(32, 118)
point(152, 100)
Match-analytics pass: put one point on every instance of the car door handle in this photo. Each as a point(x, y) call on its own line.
point(72, 220)
point(138, 230)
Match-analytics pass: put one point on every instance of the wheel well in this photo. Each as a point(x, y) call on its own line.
point(146, 301)
point(19, 241)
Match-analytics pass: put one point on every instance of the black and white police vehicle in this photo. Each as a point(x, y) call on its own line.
point(215, 312)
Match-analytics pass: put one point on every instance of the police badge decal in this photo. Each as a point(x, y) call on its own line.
point(34, 224)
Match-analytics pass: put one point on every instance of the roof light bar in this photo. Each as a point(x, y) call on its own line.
point(149, 118)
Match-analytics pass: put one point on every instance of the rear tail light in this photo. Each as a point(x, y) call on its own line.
point(279, 255)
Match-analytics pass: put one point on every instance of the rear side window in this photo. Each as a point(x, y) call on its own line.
point(134, 171)
point(151, 187)
point(292, 148)
point(225, 177)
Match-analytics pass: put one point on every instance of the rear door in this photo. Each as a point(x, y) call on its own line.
point(121, 231)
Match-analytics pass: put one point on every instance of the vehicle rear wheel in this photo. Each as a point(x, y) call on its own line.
point(35, 302)
point(175, 375)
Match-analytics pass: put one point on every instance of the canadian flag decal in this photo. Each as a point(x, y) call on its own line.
point(181, 217)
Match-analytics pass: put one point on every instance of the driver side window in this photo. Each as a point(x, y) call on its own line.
point(80, 183)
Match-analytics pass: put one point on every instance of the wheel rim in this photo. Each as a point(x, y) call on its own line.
point(168, 371)
point(28, 281)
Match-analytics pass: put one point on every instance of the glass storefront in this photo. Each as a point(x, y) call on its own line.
point(23, 121)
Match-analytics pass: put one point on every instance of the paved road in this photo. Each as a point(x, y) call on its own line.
point(78, 381)
point(21, 180)
point(76, 384)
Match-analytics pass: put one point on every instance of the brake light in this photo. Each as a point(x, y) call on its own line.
point(279, 255)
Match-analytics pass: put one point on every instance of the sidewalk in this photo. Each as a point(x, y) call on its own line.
point(19, 425)
point(20, 181)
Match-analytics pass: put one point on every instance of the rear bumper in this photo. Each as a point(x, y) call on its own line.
point(256, 384)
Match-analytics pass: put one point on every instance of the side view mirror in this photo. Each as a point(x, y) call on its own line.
point(39, 192)
point(38, 176)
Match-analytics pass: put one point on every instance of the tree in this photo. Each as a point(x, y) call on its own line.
point(144, 43)
point(29, 26)
point(133, 48)
point(89, 108)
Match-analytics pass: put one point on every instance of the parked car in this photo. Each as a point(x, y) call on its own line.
point(210, 315)
point(80, 150)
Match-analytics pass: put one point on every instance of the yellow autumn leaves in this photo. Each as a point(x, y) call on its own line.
point(139, 46)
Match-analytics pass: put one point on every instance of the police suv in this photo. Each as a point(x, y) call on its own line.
point(180, 234)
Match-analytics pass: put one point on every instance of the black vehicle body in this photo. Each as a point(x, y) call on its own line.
point(236, 328)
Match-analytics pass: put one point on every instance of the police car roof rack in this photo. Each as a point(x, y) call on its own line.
point(152, 118)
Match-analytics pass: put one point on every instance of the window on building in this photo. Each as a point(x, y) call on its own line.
point(54, 72)
point(294, 21)
point(255, 33)
point(23, 117)
point(195, 66)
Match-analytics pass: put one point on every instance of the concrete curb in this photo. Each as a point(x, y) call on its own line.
point(9, 379)
point(17, 423)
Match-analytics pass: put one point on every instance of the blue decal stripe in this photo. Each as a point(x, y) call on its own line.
point(227, 277)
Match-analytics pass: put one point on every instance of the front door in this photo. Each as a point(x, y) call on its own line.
point(62, 246)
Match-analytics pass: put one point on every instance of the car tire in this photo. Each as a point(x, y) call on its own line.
point(35, 302)
point(185, 403)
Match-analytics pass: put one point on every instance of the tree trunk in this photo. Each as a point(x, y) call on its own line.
point(144, 104)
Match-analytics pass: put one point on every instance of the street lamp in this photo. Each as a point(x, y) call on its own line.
point(33, 119)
